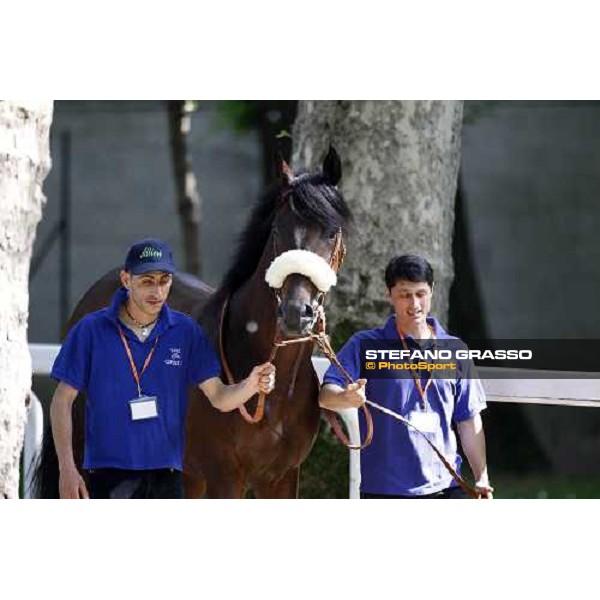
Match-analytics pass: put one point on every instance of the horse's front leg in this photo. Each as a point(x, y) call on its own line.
point(283, 487)
point(225, 484)
point(193, 487)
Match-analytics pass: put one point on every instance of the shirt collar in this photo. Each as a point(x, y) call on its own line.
point(391, 333)
point(165, 317)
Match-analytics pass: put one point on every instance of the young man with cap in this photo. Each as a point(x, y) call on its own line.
point(135, 361)
point(399, 463)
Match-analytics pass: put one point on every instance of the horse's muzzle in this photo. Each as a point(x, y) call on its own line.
point(296, 319)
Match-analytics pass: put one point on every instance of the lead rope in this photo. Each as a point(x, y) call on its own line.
point(260, 405)
point(322, 340)
point(332, 418)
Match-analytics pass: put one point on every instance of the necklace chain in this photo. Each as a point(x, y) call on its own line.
point(137, 323)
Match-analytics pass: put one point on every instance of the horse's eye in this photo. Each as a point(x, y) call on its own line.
point(331, 234)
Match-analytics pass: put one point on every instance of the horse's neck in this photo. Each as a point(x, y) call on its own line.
point(252, 319)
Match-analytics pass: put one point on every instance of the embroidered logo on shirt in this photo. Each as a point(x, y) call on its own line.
point(175, 359)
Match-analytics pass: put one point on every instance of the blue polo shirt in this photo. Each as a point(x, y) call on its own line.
point(93, 360)
point(399, 461)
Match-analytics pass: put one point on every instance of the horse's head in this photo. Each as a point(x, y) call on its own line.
point(306, 243)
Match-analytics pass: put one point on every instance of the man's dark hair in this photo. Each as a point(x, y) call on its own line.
point(410, 267)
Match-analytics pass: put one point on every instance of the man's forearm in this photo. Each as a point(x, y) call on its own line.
point(62, 432)
point(229, 397)
point(472, 438)
point(331, 397)
point(334, 397)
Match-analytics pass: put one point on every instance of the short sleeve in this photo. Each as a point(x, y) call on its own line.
point(72, 365)
point(349, 357)
point(203, 362)
point(470, 395)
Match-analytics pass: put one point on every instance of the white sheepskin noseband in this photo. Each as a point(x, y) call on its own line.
point(304, 263)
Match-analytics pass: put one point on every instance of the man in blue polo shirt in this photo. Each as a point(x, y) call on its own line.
point(399, 463)
point(135, 361)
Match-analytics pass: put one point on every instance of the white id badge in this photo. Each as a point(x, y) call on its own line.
point(144, 407)
point(427, 422)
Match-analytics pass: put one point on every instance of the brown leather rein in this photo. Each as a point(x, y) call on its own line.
point(322, 340)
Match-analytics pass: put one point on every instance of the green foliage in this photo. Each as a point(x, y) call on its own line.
point(545, 485)
point(342, 331)
point(239, 115)
point(473, 110)
point(245, 115)
point(325, 472)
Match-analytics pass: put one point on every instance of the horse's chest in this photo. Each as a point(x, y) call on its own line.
point(283, 438)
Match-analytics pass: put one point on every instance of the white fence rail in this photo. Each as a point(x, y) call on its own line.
point(565, 389)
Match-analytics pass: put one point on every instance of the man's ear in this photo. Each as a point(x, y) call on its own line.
point(125, 278)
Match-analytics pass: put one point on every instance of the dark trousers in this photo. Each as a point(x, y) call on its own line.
point(451, 493)
point(124, 484)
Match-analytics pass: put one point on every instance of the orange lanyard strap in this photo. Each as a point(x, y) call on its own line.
point(134, 370)
point(422, 390)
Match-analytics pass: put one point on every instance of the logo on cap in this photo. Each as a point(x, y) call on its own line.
point(150, 252)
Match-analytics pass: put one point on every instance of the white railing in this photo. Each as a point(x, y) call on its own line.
point(566, 389)
point(34, 431)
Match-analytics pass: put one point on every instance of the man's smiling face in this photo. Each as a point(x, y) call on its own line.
point(412, 302)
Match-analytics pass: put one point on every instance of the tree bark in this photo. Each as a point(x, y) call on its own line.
point(400, 164)
point(188, 200)
point(24, 163)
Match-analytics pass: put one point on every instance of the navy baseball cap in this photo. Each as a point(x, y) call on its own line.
point(149, 255)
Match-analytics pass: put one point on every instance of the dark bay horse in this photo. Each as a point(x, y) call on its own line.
point(225, 454)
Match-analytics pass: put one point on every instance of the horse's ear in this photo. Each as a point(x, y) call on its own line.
point(332, 167)
point(284, 171)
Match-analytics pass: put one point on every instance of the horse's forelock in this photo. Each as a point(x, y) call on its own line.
point(313, 198)
point(319, 201)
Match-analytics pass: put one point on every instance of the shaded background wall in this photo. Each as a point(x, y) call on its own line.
point(531, 188)
point(531, 180)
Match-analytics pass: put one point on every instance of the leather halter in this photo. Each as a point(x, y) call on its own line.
point(335, 262)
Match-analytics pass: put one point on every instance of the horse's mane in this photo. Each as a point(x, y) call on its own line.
point(312, 199)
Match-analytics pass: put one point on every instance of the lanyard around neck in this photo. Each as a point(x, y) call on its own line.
point(137, 376)
point(422, 390)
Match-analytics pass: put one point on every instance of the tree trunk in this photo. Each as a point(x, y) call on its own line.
point(189, 202)
point(24, 163)
point(400, 163)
